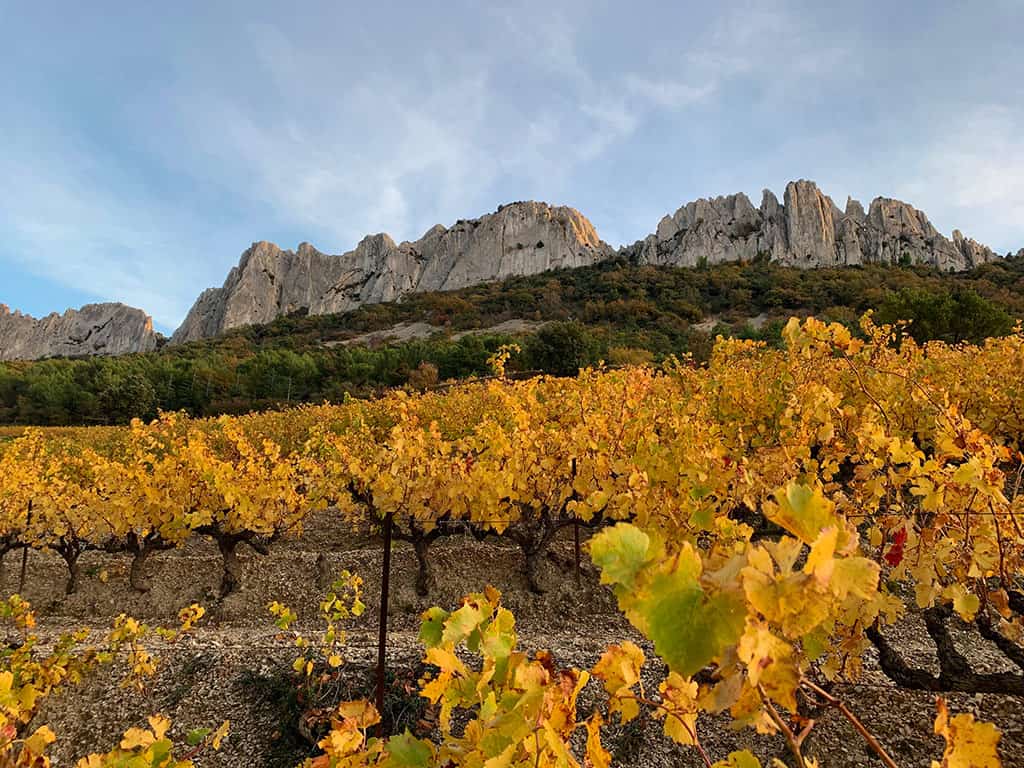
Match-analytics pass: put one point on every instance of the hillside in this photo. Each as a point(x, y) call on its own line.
point(613, 311)
point(806, 230)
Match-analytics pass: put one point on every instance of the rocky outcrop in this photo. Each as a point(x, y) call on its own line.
point(95, 329)
point(518, 239)
point(807, 230)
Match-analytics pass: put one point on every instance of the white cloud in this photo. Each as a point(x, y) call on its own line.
point(668, 94)
point(348, 155)
point(282, 130)
point(771, 43)
point(63, 226)
point(973, 171)
point(339, 154)
point(595, 113)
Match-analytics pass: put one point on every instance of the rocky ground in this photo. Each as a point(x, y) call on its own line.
point(232, 667)
point(403, 332)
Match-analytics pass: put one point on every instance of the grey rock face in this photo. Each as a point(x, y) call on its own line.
point(722, 229)
point(518, 239)
point(811, 219)
point(807, 230)
point(95, 329)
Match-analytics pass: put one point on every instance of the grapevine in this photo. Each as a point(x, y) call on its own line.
point(763, 521)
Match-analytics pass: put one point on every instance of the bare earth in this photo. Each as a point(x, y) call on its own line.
point(402, 332)
point(206, 678)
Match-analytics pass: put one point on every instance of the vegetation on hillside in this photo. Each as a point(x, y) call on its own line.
point(617, 312)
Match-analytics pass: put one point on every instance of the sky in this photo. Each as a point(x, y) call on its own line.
point(144, 146)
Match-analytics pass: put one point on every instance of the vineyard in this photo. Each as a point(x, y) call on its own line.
point(763, 527)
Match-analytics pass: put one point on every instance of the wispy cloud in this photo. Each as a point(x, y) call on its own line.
point(774, 42)
point(60, 224)
point(669, 94)
point(595, 112)
point(346, 157)
point(973, 171)
point(334, 123)
point(339, 155)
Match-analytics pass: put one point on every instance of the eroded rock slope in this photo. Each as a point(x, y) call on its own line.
point(95, 329)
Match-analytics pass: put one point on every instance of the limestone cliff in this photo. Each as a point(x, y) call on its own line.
point(518, 239)
point(95, 329)
point(806, 230)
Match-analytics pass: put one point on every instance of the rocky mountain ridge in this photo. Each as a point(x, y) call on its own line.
point(95, 329)
point(807, 229)
point(517, 239)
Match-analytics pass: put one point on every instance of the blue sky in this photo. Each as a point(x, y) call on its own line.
point(144, 146)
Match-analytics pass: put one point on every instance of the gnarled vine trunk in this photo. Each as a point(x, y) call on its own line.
point(231, 575)
point(955, 671)
point(421, 541)
point(425, 573)
point(533, 534)
point(141, 550)
point(70, 554)
point(137, 572)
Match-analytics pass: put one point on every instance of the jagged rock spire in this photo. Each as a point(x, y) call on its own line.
point(806, 229)
point(518, 239)
point(95, 329)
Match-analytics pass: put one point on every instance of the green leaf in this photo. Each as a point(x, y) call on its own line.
point(160, 752)
point(499, 640)
point(461, 624)
point(687, 628)
point(703, 517)
point(195, 737)
point(620, 553)
point(406, 751)
point(432, 626)
point(815, 643)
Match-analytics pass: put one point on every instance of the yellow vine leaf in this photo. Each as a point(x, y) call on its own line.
point(740, 759)
point(969, 743)
point(802, 510)
point(40, 739)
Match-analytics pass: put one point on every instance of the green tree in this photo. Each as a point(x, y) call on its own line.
point(126, 395)
point(563, 348)
point(960, 315)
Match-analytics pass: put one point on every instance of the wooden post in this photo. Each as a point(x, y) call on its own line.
point(24, 553)
point(382, 638)
point(576, 527)
point(576, 536)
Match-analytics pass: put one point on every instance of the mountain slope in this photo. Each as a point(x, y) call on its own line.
point(612, 311)
point(95, 329)
point(806, 230)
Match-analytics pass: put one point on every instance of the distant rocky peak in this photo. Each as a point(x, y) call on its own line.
point(855, 210)
point(806, 230)
point(517, 239)
point(95, 329)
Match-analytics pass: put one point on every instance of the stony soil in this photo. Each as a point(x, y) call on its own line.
point(403, 332)
point(211, 675)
